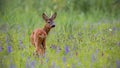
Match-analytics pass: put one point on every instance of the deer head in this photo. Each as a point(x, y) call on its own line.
point(49, 21)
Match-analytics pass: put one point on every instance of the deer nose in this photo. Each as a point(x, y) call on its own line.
point(53, 25)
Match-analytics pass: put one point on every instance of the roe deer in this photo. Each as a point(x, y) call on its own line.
point(38, 36)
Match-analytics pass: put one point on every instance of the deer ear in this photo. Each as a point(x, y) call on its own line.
point(53, 16)
point(44, 16)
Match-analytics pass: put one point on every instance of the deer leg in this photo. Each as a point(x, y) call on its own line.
point(37, 48)
point(44, 45)
point(36, 43)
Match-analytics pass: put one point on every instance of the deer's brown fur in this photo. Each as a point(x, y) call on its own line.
point(39, 35)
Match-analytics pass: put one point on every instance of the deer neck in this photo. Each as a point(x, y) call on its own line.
point(46, 29)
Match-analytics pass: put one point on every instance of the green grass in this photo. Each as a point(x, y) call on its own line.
point(92, 40)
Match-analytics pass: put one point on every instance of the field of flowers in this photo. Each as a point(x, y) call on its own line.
point(79, 40)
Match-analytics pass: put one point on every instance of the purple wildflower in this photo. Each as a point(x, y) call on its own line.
point(11, 64)
point(53, 47)
point(22, 55)
point(21, 43)
point(9, 48)
point(118, 43)
point(27, 65)
point(74, 48)
point(47, 60)
point(66, 49)
point(53, 65)
point(18, 27)
point(117, 64)
point(33, 64)
point(114, 28)
point(27, 62)
point(71, 55)
point(0, 48)
point(58, 49)
point(97, 51)
point(79, 63)
point(64, 59)
point(93, 57)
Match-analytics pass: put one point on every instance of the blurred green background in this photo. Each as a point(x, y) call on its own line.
point(87, 33)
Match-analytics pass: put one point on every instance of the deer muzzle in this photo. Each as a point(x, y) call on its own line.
point(53, 25)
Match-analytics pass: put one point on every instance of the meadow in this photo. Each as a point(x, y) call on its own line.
point(79, 40)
